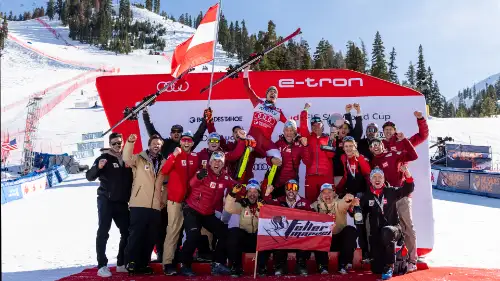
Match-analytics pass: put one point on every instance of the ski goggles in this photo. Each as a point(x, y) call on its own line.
point(348, 138)
point(187, 139)
point(371, 129)
point(292, 186)
point(213, 141)
point(316, 119)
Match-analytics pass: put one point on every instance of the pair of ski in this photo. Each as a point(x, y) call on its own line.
point(131, 113)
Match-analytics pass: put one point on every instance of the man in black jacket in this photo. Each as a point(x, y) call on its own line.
point(169, 145)
point(385, 229)
point(371, 133)
point(113, 195)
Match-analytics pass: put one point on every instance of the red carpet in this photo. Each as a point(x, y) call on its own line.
point(432, 274)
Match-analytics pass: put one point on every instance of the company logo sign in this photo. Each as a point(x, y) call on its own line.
point(285, 228)
point(322, 82)
point(218, 119)
point(168, 87)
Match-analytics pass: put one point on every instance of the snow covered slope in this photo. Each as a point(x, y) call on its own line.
point(479, 86)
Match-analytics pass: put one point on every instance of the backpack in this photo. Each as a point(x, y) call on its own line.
point(401, 264)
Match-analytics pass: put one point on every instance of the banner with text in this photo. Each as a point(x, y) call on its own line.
point(286, 228)
point(328, 91)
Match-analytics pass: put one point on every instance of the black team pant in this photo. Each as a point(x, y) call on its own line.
point(144, 223)
point(109, 211)
point(238, 242)
point(343, 242)
point(383, 243)
point(193, 222)
point(162, 234)
point(280, 258)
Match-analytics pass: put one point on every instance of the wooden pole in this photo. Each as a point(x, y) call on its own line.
point(255, 266)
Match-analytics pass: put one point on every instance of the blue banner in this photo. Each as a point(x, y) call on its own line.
point(459, 180)
point(486, 183)
point(61, 173)
point(467, 181)
point(92, 136)
point(12, 191)
point(90, 145)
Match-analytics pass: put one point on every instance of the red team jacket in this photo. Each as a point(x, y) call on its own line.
point(180, 169)
point(391, 161)
point(416, 139)
point(230, 156)
point(205, 194)
point(317, 161)
point(291, 154)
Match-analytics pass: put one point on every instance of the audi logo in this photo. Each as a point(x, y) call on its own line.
point(166, 86)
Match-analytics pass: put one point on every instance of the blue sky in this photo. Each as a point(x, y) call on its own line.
point(460, 37)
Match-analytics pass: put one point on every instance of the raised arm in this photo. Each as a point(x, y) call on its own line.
point(211, 128)
point(423, 130)
point(128, 151)
point(231, 206)
point(409, 153)
point(357, 131)
point(149, 125)
point(251, 94)
point(408, 185)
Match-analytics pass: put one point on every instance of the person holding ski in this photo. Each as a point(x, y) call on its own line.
point(343, 236)
point(385, 229)
point(265, 118)
point(145, 202)
point(319, 164)
point(292, 148)
point(392, 144)
point(207, 187)
point(180, 166)
point(113, 194)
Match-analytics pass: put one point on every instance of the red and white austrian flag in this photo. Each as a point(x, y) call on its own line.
point(199, 48)
point(286, 228)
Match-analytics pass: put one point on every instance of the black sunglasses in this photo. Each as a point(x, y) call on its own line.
point(116, 143)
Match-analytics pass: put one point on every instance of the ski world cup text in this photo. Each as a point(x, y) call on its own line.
point(306, 228)
point(313, 83)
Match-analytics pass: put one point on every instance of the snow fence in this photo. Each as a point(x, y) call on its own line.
point(26, 186)
point(477, 182)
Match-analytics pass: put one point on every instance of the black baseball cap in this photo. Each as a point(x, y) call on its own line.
point(177, 129)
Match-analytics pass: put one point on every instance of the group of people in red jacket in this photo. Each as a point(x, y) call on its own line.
point(216, 203)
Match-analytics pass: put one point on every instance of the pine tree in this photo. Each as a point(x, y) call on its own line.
point(438, 104)
point(4, 31)
point(231, 46)
point(338, 60)
point(270, 36)
point(51, 9)
point(237, 40)
point(224, 34)
point(305, 56)
point(488, 105)
point(393, 76)
point(21, 17)
point(379, 64)
point(10, 18)
point(181, 19)
point(497, 89)
point(319, 58)
point(421, 74)
point(410, 76)
point(149, 5)
point(64, 13)
point(199, 18)
point(190, 21)
point(246, 48)
point(366, 62)
point(157, 6)
point(354, 59)
point(59, 8)
point(105, 23)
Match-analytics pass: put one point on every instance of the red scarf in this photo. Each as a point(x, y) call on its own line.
point(376, 191)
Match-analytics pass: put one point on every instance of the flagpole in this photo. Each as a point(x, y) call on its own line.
point(215, 48)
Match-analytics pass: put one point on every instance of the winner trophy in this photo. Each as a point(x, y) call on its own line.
point(335, 121)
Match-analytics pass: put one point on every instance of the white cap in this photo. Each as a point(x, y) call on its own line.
point(326, 186)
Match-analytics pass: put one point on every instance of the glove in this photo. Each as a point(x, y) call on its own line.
point(202, 174)
point(260, 203)
point(250, 143)
point(237, 188)
point(208, 115)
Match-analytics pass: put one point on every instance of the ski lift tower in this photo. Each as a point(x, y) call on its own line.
point(32, 119)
